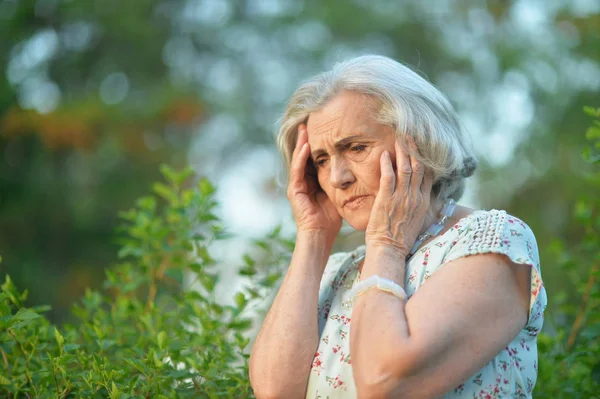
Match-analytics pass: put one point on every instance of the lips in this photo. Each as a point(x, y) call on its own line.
point(354, 202)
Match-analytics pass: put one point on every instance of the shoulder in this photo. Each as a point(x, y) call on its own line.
point(495, 231)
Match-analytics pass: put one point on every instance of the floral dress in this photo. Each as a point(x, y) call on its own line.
point(511, 374)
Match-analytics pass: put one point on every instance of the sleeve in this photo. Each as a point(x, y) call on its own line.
point(500, 233)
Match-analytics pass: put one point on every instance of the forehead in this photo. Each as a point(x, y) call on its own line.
point(347, 113)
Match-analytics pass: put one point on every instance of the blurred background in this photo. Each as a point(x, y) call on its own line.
point(95, 94)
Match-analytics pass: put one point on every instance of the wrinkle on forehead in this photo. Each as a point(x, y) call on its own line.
point(355, 112)
point(329, 125)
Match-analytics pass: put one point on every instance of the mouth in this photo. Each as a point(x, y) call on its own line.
point(354, 202)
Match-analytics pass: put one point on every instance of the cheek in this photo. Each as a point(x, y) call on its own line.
point(373, 176)
point(323, 180)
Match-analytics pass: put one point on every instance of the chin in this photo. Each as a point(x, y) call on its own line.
point(358, 220)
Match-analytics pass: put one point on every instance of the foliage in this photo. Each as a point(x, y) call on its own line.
point(569, 363)
point(149, 333)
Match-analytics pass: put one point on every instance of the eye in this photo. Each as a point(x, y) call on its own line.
point(321, 162)
point(358, 148)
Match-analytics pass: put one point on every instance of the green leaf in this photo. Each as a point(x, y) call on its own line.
point(147, 203)
point(592, 133)
point(208, 281)
point(168, 173)
point(164, 192)
point(157, 362)
point(26, 314)
point(262, 244)
point(247, 271)
point(183, 175)
point(129, 215)
point(115, 393)
point(240, 301)
point(271, 280)
point(591, 111)
point(241, 341)
point(162, 339)
point(206, 187)
point(198, 237)
point(240, 324)
point(11, 291)
point(59, 340)
point(71, 347)
point(42, 308)
point(129, 250)
point(254, 294)
point(196, 267)
point(4, 380)
point(248, 260)
point(136, 364)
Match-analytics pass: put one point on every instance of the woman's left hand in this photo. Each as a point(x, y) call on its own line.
point(402, 202)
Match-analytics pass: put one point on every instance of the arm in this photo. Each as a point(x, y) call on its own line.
point(285, 347)
point(461, 319)
point(468, 311)
point(286, 344)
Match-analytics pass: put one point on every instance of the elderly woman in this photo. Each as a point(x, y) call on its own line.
point(442, 300)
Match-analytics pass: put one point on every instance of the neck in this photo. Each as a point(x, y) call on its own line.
point(433, 214)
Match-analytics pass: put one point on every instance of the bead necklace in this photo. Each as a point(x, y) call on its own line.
point(435, 228)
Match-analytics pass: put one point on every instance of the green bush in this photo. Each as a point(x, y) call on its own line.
point(147, 334)
point(569, 360)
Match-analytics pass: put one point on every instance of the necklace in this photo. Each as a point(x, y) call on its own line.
point(435, 228)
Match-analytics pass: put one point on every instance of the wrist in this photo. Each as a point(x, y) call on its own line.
point(316, 245)
point(316, 238)
point(384, 261)
point(386, 253)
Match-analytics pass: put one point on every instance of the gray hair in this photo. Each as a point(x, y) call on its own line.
point(407, 102)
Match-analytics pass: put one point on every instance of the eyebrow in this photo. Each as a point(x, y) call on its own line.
point(341, 144)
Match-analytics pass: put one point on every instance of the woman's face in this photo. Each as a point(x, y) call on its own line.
point(346, 143)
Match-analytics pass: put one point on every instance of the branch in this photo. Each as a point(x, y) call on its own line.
point(5, 362)
point(55, 381)
point(582, 307)
point(26, 360)
point(153, 277)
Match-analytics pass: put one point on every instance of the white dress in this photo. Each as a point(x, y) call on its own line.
point(511, 374)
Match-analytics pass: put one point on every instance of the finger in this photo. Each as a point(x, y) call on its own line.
point(403, 166)
point(418, 169)
point(300, 139)
point(298, 167)
point(387, 182)
point(427, 184)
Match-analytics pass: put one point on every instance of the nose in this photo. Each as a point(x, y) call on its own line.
point(341, 175)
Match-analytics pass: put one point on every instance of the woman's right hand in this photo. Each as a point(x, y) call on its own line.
point(313, 211)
